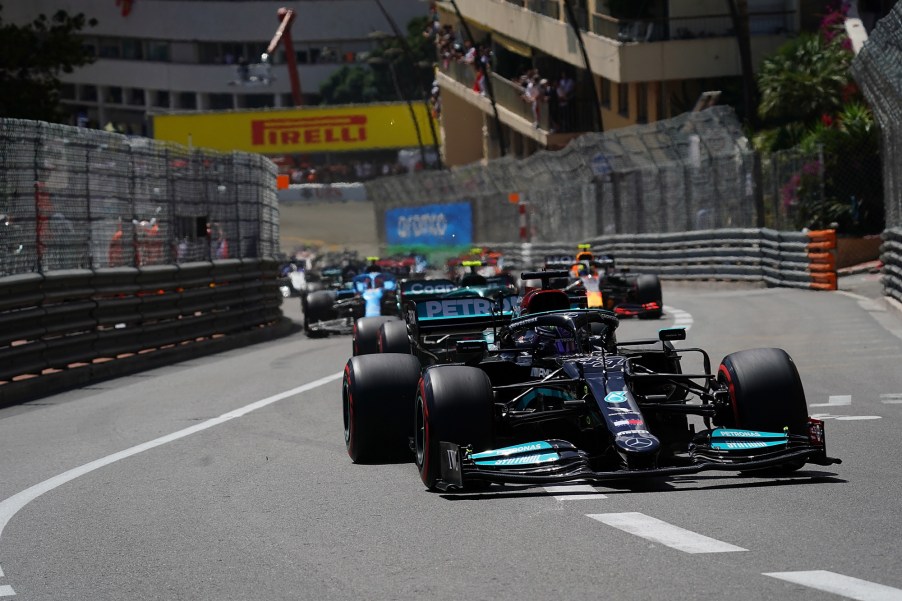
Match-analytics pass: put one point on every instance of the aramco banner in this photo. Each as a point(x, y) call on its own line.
point(430, 225)
point(302, 130)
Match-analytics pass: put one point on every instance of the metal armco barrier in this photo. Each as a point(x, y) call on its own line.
point(787, 259)
point(81, 319)
point(891, 255)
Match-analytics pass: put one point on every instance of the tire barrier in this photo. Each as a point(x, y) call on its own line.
point(81, 320)
point(786, 259)
point(891, 256)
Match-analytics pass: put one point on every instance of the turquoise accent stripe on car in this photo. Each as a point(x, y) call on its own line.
point(742, 445)
point(529, 447)
point(521, 459)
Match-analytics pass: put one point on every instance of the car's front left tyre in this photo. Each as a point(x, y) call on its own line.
point(454, 403)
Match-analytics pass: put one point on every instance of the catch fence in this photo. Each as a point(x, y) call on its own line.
point(693, 172)
point(878, 71)
point(75, 198)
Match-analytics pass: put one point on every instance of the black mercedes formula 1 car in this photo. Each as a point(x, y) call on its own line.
point(536, 392)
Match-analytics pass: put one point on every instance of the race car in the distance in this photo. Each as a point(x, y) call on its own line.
point(597, 282)
point(369, 294)
point(543, 393)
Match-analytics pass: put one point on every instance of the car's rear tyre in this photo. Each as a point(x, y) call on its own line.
point(648, 290)
point(454, 403)
point(378, 395)
point(318, 306)
point(366, 335)
point(393, 337)
point(766, 393)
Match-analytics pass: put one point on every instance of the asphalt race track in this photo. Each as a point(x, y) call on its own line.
point(226, 477)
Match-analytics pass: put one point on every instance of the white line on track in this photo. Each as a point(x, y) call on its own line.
point(666, 534)
point(831, 582)
point(835, 401)
point(575, 492)
point(681, 319)
point(10, 506)
point(892, 398)
point(7, 591)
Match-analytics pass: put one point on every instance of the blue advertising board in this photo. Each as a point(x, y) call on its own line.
point(430, 225)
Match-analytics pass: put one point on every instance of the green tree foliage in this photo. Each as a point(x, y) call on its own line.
point(31, 59)
point(804, 80)
point(374, 81)
point(808, 99)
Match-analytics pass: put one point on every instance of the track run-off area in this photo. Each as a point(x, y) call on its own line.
point(226, 477)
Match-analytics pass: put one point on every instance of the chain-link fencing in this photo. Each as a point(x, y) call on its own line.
point(78, 198)
point(693, 172)
point(878, 71)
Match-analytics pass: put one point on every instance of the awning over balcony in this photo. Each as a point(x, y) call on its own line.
point(512, 44)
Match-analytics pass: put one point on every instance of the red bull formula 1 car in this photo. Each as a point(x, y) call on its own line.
point(597, 282)
point(537, 392)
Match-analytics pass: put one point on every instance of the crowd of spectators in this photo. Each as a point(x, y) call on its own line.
point(557, 96)
point(335, 171)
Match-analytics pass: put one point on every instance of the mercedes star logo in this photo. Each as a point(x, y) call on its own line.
point(637, 443)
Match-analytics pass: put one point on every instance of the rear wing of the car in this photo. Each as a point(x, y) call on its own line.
point(460, 314)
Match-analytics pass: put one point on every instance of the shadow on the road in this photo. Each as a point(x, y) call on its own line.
point(653, 485)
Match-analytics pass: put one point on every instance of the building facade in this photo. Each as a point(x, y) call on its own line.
point(630, 61)
point(193, 55)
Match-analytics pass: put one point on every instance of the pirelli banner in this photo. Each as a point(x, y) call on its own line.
point(305, 130)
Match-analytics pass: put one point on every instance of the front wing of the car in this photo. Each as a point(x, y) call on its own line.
point(556, 461)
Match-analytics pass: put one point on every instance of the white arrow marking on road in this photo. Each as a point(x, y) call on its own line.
point(831, 582)
point(7, 591)
point(835, 401)
point(666, 534)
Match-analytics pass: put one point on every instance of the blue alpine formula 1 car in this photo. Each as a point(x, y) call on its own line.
point(538, 392)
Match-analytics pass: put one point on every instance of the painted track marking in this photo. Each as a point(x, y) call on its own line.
point(681, 319)
point(893, 398)
point(7, 591)
point(575, 492)
point(831, 582)
point(9, 507)
point(838, 400)
point(658, 531)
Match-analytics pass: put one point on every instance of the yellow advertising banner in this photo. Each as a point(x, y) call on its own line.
point(302, 130)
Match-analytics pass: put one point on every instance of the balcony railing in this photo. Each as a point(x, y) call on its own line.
point(686, 28)
point(656, 30)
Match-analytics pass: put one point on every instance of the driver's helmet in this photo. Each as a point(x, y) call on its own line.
point(579, 270)
point(548, 340)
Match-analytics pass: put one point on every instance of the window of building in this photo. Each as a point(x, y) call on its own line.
point(606, 92)
point(161, 98)
point(67, 91)
point(183, 52)
point(187, 100)
point(90, 46)
point(232, 53)
point(623, 99)
point(256, 101)
point(136, 97)
point(662, 101)
point(88, 93)
point(209, 53)
point(114, 95)
point(132, 49)
point(219, 102)
point(157, 50)
point(642, 102)
point(109, 48)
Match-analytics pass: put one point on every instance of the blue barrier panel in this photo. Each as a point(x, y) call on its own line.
point(431, 225)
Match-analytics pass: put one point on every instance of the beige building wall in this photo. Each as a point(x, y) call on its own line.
point(465, 122)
